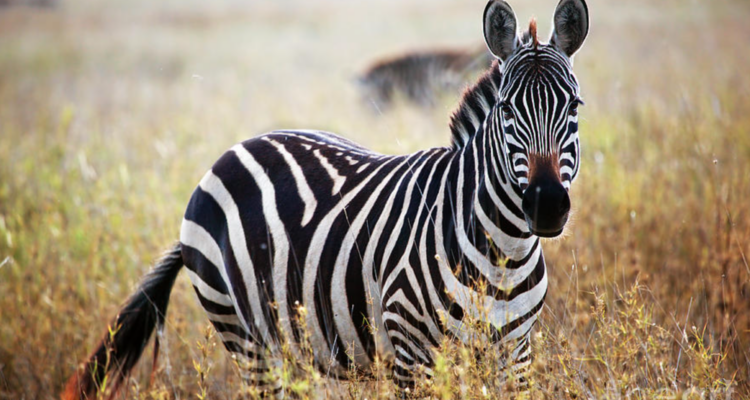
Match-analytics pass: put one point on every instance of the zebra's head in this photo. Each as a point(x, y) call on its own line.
point(537, 109)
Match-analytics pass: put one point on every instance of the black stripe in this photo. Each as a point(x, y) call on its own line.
point(202, 267)
point(508, 328)
point(214, 308)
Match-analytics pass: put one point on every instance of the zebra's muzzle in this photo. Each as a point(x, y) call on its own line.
point(546, 206)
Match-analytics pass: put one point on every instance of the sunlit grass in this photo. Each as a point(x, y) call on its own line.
point(111, 112)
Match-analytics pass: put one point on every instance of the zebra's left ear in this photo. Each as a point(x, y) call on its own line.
point(571, 25)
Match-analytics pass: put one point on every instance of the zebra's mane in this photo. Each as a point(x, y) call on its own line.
point(475, 104)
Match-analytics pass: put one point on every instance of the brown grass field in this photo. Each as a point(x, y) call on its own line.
point(110, 113)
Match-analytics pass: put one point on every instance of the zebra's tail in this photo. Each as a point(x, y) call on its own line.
point(123, 343)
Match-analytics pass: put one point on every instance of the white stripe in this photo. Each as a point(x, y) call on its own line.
point(400, 298)
point(338, 180)
point(195, 236)
point(503, 312)
point(567, 156)
point(231, 319)
point(522, 330)
point(244, 343)
point(400, 350)
point(208, 292)
point(215, 187)
point(303, 189)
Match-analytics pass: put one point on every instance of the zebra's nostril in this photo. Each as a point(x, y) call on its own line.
point(565, 204)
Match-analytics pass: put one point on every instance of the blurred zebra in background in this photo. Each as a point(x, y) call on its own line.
point(298, 235)
point(421, 77)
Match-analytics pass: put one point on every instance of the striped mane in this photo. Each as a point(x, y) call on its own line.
point(475, 105)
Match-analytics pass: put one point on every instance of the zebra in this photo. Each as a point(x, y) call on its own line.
point(296, 230)
point(421, 76)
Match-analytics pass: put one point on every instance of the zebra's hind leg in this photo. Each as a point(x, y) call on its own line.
point(250, 356)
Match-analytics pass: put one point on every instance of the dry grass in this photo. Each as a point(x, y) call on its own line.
point(111, 112)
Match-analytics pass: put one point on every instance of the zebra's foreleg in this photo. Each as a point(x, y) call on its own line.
point(520, 366)
point(258, 377)
point(516, 364)
point(412, 358)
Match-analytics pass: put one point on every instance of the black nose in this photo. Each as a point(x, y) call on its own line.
point(546, 204)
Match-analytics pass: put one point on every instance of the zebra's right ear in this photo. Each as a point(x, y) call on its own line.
point(500, 32)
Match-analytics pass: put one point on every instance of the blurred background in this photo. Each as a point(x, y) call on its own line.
point(111, 112)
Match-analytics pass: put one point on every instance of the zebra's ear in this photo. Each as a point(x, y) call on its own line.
point(500, 29)
point(571, 25)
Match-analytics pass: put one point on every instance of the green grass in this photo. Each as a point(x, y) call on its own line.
point(111, 112)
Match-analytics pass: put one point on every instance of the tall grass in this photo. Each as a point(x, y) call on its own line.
point(111, 112)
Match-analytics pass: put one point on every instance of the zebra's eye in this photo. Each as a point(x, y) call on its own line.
point(573, 110)
point(507, 113)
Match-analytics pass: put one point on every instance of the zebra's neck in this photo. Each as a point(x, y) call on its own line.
point(478, 230)
point(488, 203)
point(498, 203)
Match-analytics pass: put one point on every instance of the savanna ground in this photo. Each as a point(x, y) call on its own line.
point(110, 113)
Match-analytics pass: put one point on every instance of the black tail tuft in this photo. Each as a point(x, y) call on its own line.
point(125, 339)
